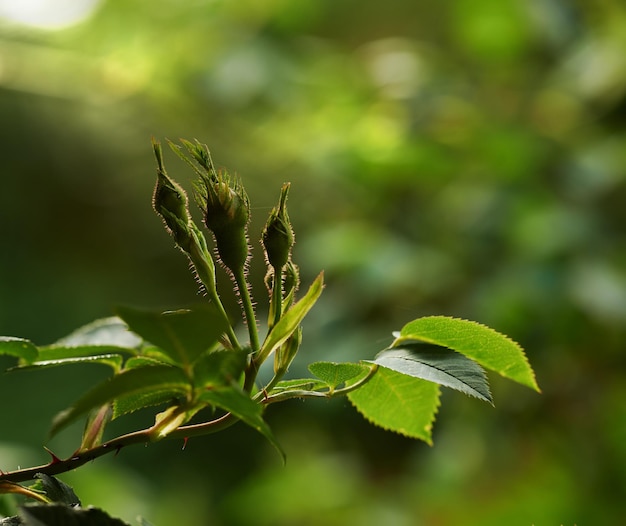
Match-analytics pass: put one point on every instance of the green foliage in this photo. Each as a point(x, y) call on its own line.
point(189, 364)
point(337, 374)
point(439, 365)
point(291, 319)
point(23, 349)
point(462, 158)
point(181, 336)
point(143, 384)
point(479, 343)
point(399, 402)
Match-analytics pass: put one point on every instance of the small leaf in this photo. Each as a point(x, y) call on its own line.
point(182, 334)
point(299, 384)
point(336, 374)
point(141, 381)
point(57, 490)
point(106, 331)
point(94, 427)
point(25, 350)
point(171, 419)
point(237, 402)
point(7, 486)
point(482, 344)
point(398, 402)
point(439, 365)
point(290, 321)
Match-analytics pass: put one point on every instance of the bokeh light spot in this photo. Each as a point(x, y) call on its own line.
point(47, 14)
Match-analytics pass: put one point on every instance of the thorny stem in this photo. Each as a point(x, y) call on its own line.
point(56, 465)
point(79, 458)
point(248, 308)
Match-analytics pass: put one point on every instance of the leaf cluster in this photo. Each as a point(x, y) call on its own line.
point(189, 367)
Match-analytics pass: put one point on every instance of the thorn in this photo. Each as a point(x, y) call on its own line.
point(55, 459)
point(185, 440)
point(117, 450)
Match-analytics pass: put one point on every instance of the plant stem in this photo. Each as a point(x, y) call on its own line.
point(248, 308)
point(205, 269)
point(277, 298)
point(145, 436)
point(79, 458)
point(288, 395)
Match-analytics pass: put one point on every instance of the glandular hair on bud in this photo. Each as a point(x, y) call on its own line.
point(225, 208)
point(291, 277)
point(170, 199)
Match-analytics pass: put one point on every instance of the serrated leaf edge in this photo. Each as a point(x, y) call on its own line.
point(398, 431)
point(402, 339)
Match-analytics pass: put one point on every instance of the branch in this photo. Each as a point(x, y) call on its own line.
point(57, 465)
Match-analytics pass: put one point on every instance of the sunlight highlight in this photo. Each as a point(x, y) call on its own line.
point(47, 14)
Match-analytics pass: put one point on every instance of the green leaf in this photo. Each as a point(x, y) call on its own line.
point(398, 402)
point(151, 352)
point(144, 361)
point(291, 319)
point(143, 381)
point(219, 367)
point(182, 334)
point(137, 400)
point(482, 344)
point(299, 384)
point(439, 365)
point(56, 355)
point(97, 420)
point(62, 352)
point(336, 374)
point(112, 360)
point(172, 418)
point(239, 403)
point(110, 331)
point(25, 350)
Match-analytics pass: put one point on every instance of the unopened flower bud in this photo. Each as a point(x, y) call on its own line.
point(278, 237)
point(170, 203)
point(226, 213)
point(226, 207)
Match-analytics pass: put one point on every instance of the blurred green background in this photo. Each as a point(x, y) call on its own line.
point(464, 157)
